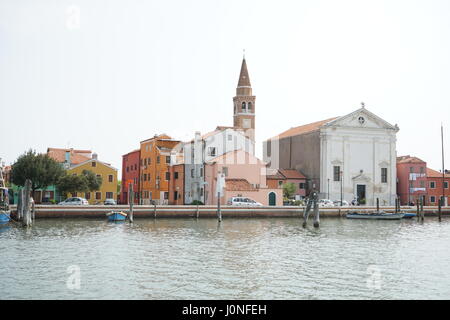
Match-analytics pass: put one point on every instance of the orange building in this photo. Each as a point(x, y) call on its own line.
point(438, 187)
point(155, 168)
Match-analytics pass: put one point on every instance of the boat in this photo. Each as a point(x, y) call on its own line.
point(116, 216)
point(380, 215)
point(409, 215)
point(4, 200)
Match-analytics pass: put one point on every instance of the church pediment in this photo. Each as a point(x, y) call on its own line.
point(361, 177)
point(362, 118)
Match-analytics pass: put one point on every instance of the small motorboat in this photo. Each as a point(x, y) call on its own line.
point(4, 217)
point(377, 215)
point(116, 216)
point(409, 215)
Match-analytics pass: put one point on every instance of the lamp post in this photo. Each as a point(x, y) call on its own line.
point(328, 187)
point(342, 182)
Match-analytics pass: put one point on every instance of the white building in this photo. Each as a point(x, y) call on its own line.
point(352, 155)
point(204, 148)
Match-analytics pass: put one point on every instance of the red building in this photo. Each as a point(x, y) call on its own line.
point(176, 184)
point(130, 174)
point(411, 179)
point(277, 177)
point(435, 190)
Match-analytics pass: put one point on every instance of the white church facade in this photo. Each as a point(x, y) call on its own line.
point(353, 156)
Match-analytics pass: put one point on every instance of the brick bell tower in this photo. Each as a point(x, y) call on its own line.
point(244, 104)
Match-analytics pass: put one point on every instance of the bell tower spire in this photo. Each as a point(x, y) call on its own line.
point(244, 103)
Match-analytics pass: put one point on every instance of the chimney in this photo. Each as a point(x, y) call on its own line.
point(94, 156)
point(67, 158)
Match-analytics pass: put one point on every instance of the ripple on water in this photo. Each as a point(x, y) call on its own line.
point(239, 259)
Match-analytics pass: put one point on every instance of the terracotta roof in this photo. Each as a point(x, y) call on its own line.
point(436, 174)
point(137, 150)
point(292, 174)
point(161, 136)
point(238, 185)
point(303, 129)
point(76, 156)
point(409, 159)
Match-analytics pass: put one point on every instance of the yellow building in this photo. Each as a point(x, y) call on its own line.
point(108, 174)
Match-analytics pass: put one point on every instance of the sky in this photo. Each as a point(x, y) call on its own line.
point(106, 74)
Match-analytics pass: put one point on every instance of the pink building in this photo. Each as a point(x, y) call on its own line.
point(245, 176)
point(411, 179)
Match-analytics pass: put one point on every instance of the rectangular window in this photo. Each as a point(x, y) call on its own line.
point(411, 184)
point(211, 151)
point(168, 159)
point(337, 173)
point(128, 169)
point(432, 185)
point(201, 192)
point(201, 172)
point(446, 184)
point(432, 199)
point(230, 137)
point(384, 174)
point(145, 161)
point(98, 195)
point(110, 178)
point(109, 195)
point(422, 169)
point(94, 164)
point(302, 185)
point(158, 159)
point(167, 176)
point(280, 183)
point(411, 169)
point(192, 173)
point(166, 195)
point(422, 184)
point(149, 161)
point(175, 175)
point(225, 171)
point(87, 195)
point(175, 195)
point(269, 148)
point(145, 177)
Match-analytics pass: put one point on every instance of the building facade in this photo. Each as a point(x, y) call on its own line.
point(411, 180)
point(437, 187)
point(131, 175)
point(276, 178)
point(108, 174)
point(353, 156)
point(245, 176)
point(155, 162)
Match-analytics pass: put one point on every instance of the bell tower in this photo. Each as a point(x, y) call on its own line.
point(244, 104)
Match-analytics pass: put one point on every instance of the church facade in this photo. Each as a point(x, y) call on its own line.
point(348, 157)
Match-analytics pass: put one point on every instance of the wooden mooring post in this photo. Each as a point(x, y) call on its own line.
point(154, 210)
point(422, 212)
point(197, 212)
point(440, 209)
point(26, 204)
point(130, 201)
point(378, 204)
point(219, 210)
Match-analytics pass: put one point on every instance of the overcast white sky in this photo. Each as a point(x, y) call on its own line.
point(132, 68)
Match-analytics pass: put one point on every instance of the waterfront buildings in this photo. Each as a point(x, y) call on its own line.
point(411, 180)
point(245, 176)
point(352, 156)
point(276, 178)
point(130, 175)
point(154, 173)
point(108, 189)
point(437, 186)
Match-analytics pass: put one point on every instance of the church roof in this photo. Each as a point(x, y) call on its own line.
point(244, 78)
point(310, 127)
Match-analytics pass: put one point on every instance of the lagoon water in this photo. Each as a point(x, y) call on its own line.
point(240, 259)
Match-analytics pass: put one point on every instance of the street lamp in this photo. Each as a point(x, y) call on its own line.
point(342, 182)
point(328, 196)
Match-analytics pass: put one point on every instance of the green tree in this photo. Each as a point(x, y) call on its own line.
point(71, 184)
point(42, 170)
point(289, 189)
point(93, 183)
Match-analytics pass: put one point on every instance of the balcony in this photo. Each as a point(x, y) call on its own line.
point(416, 176)
point(412, 190)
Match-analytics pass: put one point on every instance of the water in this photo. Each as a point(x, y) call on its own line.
point(240, 259)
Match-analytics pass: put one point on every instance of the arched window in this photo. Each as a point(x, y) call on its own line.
point(243, 106)
point(249, 107)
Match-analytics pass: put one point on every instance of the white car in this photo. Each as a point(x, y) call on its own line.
point(243, 202)
point(326, 203)
point(74, 201)
point(110, 202)
point(337, 203)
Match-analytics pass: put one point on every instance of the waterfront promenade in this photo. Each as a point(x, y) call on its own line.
point(166, 211)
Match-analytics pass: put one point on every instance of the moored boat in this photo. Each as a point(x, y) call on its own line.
point(375, 215)
point(409, 215)
point(116, 216)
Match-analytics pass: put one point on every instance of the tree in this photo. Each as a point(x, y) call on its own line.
point(93, 183)
point(289, 190)
point(42, 170)
point(71, 184)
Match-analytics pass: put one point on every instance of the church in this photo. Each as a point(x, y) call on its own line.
point(348, 157)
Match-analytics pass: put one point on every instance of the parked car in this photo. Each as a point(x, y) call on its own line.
point(110, 202)
point(243, 202)
point(337, 203)
point(326, 203)
point(74, 201)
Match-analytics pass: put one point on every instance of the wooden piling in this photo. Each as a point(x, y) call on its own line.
point(130, 201)
point(440, 209)
point(219, 210)
point(197, 212)
point(26, 204)
point(378, 204)
point(154, 210)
